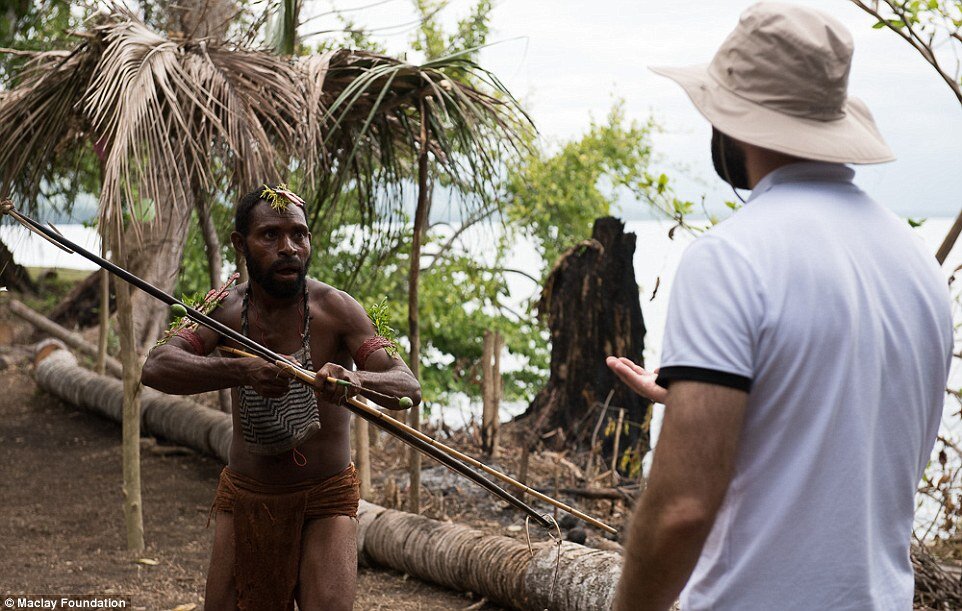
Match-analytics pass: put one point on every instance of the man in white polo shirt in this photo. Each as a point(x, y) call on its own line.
point(805, 353)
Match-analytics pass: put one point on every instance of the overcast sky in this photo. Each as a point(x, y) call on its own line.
point(568, 60)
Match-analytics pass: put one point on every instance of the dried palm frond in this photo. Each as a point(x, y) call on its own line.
point(366, 113)
point(173, 112)
point(169, 119)
point(164, 115)
point(39, 126)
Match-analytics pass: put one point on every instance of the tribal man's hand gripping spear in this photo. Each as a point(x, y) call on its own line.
point(447, 456)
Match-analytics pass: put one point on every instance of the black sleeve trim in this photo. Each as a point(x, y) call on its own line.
point(667, 375)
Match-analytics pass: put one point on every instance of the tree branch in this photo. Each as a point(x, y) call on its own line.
point(474, 219)
point(914, 39)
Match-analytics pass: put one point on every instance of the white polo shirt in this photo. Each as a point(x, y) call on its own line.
point(825, 307)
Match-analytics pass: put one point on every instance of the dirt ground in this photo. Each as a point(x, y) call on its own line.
point(61, 518)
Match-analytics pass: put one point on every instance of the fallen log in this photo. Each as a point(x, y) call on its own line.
point(70, 338)
point(175, 419)
point(565, 577)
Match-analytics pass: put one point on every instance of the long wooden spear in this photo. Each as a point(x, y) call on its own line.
point(449, 457)
point(308, 377)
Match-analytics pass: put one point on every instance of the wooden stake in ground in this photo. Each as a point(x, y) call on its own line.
point(104, 331)
point(614, 452)
point(133, 507)
point(491, 392)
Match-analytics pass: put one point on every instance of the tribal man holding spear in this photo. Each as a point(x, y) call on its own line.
point(287, 501)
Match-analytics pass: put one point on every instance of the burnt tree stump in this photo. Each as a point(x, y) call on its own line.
point(12, 275)
point(592, 307)
point(80, 308)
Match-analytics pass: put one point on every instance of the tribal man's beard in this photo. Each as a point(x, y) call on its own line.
point(281, 289)
point(729, 160)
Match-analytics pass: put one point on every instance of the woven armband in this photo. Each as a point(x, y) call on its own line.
point(191, 337)
point(368, 348)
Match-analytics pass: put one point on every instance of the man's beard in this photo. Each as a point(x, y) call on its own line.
point(281, 289)
point(729, 160)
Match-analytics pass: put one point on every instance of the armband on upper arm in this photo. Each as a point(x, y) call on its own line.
point(370, 346)
point(191, 337)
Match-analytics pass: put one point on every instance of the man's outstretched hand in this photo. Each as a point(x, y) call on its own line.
point(637, 378)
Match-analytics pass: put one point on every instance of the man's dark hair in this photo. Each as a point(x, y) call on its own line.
point(242, 216)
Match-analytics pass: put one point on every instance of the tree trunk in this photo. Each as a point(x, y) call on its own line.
point(501, 569)
point(130, 359)
point(215, 262)
point(215, 267)
point(491, 392)
point(196, 18)
point(13, 277)
point(176, 419)
point(155, 252)
point(592, 308)
point(414, 332)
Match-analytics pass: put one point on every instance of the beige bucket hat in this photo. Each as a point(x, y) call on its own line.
point(780, 81)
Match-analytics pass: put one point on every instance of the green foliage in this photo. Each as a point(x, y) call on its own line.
point(380, 318)
point(194, 277)
point(550, 196)
point(469, 35)
point(630, 462)
point(552, 199)
point(53, 286)
point(555, 198)
point(194, 274)
point(35, 26)
point(45, 25)
point(460, 298)
point(178, 315)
